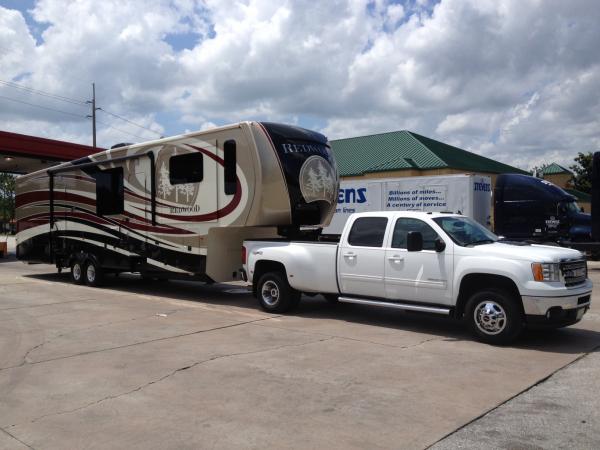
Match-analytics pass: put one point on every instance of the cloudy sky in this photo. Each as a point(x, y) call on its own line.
point(515, 80)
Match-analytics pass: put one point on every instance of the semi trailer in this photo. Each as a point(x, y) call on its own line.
point(469, 194)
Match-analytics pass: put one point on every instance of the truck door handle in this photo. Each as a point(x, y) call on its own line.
point(349, 255)
point(396, 258)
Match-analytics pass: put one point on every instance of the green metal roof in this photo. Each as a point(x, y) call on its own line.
point(399, 150)
point(581, 196)
point(554, 169)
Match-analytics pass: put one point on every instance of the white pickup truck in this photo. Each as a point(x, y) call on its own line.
point(437, 263)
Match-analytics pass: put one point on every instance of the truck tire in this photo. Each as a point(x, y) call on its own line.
point(275, 294)
point(77, 271)
point(494, 317)
point(93, 274)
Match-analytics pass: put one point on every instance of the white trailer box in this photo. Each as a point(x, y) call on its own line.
point(469, 194)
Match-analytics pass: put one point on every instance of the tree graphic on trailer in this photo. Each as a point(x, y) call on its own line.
point(187, 190)
point(325, 180)
point(313, 183)
point(164, 184)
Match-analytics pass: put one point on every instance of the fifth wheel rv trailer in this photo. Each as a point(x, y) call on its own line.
point(176, 207)
point(468, 194)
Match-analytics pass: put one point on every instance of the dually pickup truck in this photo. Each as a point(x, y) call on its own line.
point(438, 263)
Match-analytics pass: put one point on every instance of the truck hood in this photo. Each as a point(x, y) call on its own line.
point(582, 219)
point(525, 252)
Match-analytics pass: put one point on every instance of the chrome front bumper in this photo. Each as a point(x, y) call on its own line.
point(539, 306)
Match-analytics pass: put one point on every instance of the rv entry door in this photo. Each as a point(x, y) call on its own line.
point(137, 208)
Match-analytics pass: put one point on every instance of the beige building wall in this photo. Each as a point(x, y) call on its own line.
point(562, 180)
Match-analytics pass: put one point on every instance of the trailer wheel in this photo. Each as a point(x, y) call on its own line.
point(93, 273)
point(77, 271)
point(494, 317)
point(275, 294)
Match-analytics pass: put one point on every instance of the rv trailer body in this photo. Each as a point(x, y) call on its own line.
point(178, 206)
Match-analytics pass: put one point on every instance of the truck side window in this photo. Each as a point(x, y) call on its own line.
point(368, 232)
point(406, 224)
point(229, 157)
point(186, 168)
point(110, 197)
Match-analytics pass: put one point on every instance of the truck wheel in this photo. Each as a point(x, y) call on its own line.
point(77, 272)
point(275, 294)
point(494, 317)
point(93, 273)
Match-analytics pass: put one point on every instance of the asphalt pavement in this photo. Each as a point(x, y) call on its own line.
point(185, 365)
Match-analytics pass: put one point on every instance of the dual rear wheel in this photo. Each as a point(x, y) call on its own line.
point(275, 294)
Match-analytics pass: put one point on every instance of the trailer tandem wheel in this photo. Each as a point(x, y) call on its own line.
point(93, 273)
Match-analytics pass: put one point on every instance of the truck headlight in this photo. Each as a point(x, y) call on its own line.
point(545, 271)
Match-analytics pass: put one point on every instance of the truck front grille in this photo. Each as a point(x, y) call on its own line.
point(573, 272)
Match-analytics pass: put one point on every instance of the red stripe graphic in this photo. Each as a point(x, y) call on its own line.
point(39, 196)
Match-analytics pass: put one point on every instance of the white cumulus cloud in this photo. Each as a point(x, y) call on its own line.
point(516, 81)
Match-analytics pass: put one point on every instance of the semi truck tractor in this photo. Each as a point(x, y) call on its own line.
point(527, 207)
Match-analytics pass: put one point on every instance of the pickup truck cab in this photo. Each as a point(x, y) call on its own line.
point(438, 263)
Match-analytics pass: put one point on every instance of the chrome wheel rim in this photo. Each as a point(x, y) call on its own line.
point(270, 293)
point(91, 273)
point(490, 317)
point(77, 271)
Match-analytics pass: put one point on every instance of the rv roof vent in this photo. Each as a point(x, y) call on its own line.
point(121, 144)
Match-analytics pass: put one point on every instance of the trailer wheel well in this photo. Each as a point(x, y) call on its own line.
point(474, 282)
point(265, 266)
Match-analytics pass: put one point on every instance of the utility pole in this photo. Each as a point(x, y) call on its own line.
point(93, 116)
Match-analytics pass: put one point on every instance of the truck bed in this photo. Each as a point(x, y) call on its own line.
point(310, 265)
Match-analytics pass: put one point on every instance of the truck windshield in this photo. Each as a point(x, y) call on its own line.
point(569, 208)
point(465, 231)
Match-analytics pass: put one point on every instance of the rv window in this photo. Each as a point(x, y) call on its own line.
point(186, 168)
point(229, 150)
point(109, 192)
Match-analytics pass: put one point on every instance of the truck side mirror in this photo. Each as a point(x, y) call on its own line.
point(414, 241)
point(440, 245)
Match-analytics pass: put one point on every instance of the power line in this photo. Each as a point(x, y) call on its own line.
point(129, 121)
point(43, 93)
point(42, 107)
point(70, 114)
point(72, 101)
point(120, 131)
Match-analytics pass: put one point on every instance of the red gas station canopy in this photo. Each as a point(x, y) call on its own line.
point(20, 153)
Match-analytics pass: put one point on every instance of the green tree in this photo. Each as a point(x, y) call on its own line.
point(582, 178)
point(7, 197)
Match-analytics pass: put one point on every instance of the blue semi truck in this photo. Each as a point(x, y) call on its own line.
point(529, 208)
